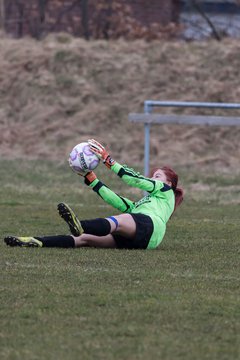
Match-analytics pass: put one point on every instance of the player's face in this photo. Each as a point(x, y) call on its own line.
point(160, 175)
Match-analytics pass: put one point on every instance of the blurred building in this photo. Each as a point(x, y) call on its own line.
point(112, 19)
point(81, 18)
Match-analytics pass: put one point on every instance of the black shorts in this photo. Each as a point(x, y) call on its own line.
point(144, 230)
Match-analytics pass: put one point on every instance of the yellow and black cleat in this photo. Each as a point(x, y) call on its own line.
point(71, 219)
point(22, 241)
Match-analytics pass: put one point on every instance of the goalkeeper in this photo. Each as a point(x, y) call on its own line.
point(141, 224)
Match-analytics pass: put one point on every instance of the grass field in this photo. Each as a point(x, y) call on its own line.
point(178, 302)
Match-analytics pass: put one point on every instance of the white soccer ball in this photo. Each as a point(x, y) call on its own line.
point(82, 159)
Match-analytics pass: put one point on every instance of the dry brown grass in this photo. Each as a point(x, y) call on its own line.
point(63, 90)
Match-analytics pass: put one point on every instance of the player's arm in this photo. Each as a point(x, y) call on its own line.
point(128, 175)
point(109, 196)
point(135, 179)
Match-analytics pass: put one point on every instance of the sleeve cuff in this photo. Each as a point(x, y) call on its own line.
point(116, 168)
point(94, 183)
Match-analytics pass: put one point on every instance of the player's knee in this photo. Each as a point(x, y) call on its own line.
point(113, 222)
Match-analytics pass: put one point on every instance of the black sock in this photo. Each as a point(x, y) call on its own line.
point(99, 226)
point(63, 241)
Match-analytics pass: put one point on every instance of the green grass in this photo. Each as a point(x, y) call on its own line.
point(178, 302)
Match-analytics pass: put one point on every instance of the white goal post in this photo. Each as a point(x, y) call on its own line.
point(148, 118)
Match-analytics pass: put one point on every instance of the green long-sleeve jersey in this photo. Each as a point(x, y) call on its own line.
point(158, 204)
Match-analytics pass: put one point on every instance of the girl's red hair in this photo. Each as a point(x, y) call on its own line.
point(173, 178)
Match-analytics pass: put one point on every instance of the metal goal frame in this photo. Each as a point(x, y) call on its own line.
point(148, 118)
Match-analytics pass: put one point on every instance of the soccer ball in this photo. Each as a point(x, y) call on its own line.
point(82, 159)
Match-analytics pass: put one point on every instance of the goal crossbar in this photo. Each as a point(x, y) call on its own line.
point(184, 119)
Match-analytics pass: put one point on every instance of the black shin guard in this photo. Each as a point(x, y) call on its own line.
point(62, 241)
point(99, 226)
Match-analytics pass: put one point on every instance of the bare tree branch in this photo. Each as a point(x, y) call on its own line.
point(197, 6)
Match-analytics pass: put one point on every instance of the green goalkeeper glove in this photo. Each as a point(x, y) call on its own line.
point(101, 152)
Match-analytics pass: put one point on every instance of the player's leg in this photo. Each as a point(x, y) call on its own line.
point(98, 226)
point(124, 223)
point(95, 241)
point(62, 241)
point(120, 224)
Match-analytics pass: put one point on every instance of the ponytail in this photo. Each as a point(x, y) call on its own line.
point(178, 192)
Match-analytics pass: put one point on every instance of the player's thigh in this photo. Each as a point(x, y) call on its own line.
point(126, 225)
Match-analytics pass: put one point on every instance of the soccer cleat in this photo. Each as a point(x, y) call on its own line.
point(22, 241)
point(71, 219)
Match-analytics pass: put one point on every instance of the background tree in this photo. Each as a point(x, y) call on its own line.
point(2, 15)
point(42, 4)
point(85, 19)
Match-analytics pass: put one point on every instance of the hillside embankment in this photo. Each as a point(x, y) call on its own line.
point(63, 90)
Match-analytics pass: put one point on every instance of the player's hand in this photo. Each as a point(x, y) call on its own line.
point(98, 149)
point(101, 152)
point(89, 177)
